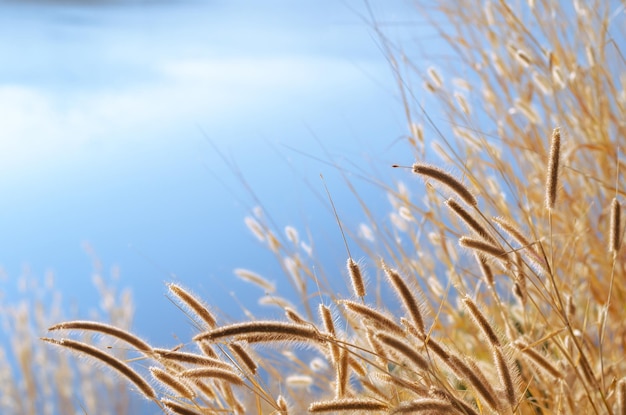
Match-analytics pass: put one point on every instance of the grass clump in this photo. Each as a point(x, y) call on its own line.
point(37, 380)
point(532, 322)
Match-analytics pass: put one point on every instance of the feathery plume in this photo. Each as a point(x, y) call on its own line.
point(553, 169)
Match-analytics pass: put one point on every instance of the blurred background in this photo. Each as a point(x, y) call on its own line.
point(124, 125)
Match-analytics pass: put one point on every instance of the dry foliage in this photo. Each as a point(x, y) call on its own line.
point(510, 272)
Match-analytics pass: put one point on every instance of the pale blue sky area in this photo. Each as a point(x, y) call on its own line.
point(103, 112)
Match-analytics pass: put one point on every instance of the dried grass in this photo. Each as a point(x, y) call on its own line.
point(558, 345)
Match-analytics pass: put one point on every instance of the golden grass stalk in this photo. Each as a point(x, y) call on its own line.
point(505, 376)
point(376, 347)
point(482, 247)
point(207, 349)
point(281, 403)
point(279, 329)
point(423, 405)
point(552, 177)
point(614, 231)
point(485, 269)
point(293, 315)
point(461, 406)
point(178, 408)
point(358, 285)
point(327, 319)
point(213, 373)
point(113, 362)
point(104, 328)
point(468, 372)
point(329, 326)
point(230, 398)
point(254, 278)
point(243, 356)
point(347, 404)
point(469, 220)
point(192, 358)
point(404, 349)
point(539, 360)
point(481, 321)
point(512, 231)
point(173, 382)
point(406, 296)
point(193, 303)
point(341, 373)
point(446, 179)
point(377, 318)
point(299, 381)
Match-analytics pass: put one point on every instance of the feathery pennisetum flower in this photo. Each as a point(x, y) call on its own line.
point(173, 382)
point(459, 404)
point(482, 247)
point(447, 179)
point(243, 357)
point(512, 231)
point(473, 375)
point(327, 319)
point(230, 398)
point(375, 317)
point(329, 326)
point(207, 349)
point(347, 404)
point(179, 409)
point(358, 285)
point(615, 225)
point(523, 58)
point(256, 228)
point(460, 99)
point(485, 269)
point(293, 330)
point(435, 76)
point(403, 348)
point(423, 405)
point(552, 177)
point(254, 278)
point(376, 348)
point(193, 303)
point(214, 373)
point(293, 315)
point(341, 371)
point(481, 321)
point(406, 296)
point(504, 374)
point(475, 378)
point(109, 360)
point(539, 360)
point(472, 223)
point(299, 381)
point(129, 338)
point(281, 403)
point(292, 235)
point(191, 358)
